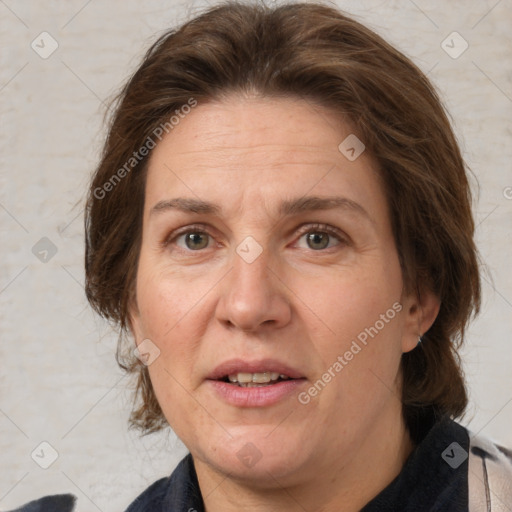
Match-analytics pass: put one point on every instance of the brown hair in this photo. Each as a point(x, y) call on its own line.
point(314, 52)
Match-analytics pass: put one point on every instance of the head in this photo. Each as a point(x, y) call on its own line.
point(253, 131)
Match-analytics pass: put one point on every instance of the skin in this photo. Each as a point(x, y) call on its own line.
point(297, 302)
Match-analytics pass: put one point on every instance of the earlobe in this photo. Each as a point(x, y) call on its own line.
point(421, 311)
point(429, 305)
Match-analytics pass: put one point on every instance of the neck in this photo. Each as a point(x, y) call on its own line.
point(333, 487)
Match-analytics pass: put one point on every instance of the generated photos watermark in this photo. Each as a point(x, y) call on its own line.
point(356, 346)
point(150, 143)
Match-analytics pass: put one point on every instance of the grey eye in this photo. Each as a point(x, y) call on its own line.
point(317, 239)
point(196, 240)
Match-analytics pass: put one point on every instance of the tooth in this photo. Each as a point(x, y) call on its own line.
point(245, 379)
point(261, 378)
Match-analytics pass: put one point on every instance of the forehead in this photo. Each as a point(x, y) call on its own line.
point(257, 146)
point(242, 124)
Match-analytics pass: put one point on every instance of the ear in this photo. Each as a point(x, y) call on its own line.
point(420, 310)
point(135, 322)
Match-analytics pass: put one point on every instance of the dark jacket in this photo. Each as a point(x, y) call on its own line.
point(433, 479)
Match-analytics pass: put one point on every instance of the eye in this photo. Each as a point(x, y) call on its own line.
point(321, 236)
point(192, 238)
point(195, 240)
point(317, 237)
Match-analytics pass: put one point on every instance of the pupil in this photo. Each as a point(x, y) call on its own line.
point(316, 238)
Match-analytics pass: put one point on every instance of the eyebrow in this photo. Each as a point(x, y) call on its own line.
point(286, 209)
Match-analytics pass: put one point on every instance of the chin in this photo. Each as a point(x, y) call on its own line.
point(257, 459)
point(265, 473)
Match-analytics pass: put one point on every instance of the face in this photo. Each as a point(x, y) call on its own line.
point(266, 252)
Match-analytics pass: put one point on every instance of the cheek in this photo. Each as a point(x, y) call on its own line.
point(349, 300)
point(162, 314)
point(175, 397)
point(359, 362)
point(166, 299)
point(167, 306)
point(358, 318)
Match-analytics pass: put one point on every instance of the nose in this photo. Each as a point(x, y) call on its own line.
point(253, 296)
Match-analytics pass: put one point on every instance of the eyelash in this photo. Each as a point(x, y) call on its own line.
point(304, 229)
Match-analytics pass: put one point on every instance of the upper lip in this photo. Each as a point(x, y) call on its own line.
point(233, 366)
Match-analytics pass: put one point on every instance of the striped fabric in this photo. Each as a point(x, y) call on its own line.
point(489, 476)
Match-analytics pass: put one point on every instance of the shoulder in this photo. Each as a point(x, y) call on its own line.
point(178, 492)
point(151, 498)
point(56, 503)
point(489, 475)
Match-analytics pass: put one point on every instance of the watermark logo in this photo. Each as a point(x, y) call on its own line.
point(352, 147)
point(44, 455)
point(249, 455)
point(147, 352)
point(454, 455)
point(454, 45)
point(249, 249)
point(44, 250)
point(44, 45)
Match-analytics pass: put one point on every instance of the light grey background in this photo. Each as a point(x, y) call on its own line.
point(58, 380)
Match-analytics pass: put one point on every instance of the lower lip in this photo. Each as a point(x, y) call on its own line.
point(256, 396)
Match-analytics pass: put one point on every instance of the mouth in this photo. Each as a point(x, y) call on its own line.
point(261, 383)
point(254, 380)
point(264, 372)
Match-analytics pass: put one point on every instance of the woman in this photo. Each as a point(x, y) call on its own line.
point(281, 226)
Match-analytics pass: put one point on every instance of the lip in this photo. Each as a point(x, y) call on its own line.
point(257, 396)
